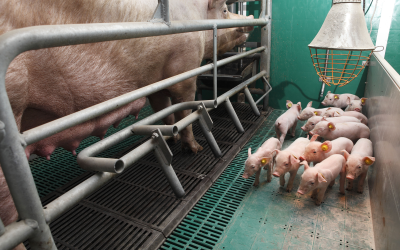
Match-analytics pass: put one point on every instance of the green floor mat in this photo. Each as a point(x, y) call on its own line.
point(233, 214)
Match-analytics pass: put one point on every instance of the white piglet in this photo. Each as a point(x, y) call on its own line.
point(287, 121)
point(355, 105)
point(310, 112)
point(358, 163)
point(263, 157)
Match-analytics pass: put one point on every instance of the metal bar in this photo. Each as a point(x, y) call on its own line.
point(266, 93)
point(17, 232)
point(162, 12)
point(265, 58)
point(215, 47)
point(326, 67)
point(234, 117)
point(250, 100)
point(208, 135)
point(170, 175)
point(56, 126)
point(169, 130)
point(253, 91)
point(2, 132)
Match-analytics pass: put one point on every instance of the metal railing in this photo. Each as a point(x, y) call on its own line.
point(34, 219)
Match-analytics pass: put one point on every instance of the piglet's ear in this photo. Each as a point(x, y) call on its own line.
point(309, 104)
point(336, 114)
point(328, 109)
point(294, 159)
point(318, 112)
point(305, 164)
point(328, 92)
point(289, 104)
point(276, 151)
point(326, 146)
point(363, 101)
point(345, 154)
point(331, 126)
point(368, 160)
point(264, 160)
point(323, 119)
point(348, 101)
point(314, 137)
point(321, 178)
point(299, 106)
point(336, 97)
point(249, 152)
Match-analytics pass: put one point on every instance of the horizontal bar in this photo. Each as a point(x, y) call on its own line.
point(16, 233)
point(56, 126)
point(169, 130)
point(239, 87)
point(254, 91)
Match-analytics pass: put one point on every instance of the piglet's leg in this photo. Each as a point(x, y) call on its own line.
point(269, 172)
point(291, 180)
point(282, 180)
point(320, 196)
point(361, 180)
point(332, 183)
point(294, 129)
point(314, 194)
point(257, 180)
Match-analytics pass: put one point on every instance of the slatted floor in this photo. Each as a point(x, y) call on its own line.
point(137, 209)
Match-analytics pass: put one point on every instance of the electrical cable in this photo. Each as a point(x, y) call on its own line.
point(370, 4)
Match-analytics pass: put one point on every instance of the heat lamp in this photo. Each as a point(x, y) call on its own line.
point(343, 45)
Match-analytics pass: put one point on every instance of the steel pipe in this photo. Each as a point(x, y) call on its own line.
point(17, 232)
point(215, 48)
point(2, 228)
point(250, 100)
point(2, 131)
point(233, 116)
point(169, 130)
point(56, 126)
point(266, 83)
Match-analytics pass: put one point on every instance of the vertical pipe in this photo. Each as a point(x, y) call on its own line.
point(232, 114)
point(215, 33)
point(211, 141)
point(250, 99)
point(265, 57)
point(18, 174)
point(170, 175)
point(326, 66)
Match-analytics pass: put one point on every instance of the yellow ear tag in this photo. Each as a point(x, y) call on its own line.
point(316, 113)
point(336, 97)
point(324, 147)
point(289, 105)
point(338, 113)
point(295, 157)
point(323, 176)
point(362, 100)
point(368, 161)
point(330, 126)
point(264, 161)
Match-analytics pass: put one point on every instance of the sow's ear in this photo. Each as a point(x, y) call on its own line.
point(363, 101)
point(368, 160)
point(331, 126)
point(289, 104)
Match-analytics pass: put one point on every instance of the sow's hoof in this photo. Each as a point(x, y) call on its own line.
point(191, 146)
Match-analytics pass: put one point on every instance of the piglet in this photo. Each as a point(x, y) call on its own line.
point(287, 120)
point(337, 100)
point(331, 112)
point(310, 124)
point(322, 175)
point(355, 105)
point(310, 112)
point(263, 157)
point(355, 114)
point(288, 161)
point(358, 162)
point(331, 131)
point(316, 151)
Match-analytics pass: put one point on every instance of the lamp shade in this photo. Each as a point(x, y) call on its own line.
point(342, 45)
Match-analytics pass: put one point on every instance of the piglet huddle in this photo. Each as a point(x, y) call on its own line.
point(337, 155)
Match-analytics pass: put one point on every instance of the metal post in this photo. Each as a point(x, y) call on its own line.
point(232, 114)
point(215, 47)
point(18, 174)
point(265, 57)
point(18, 232)
point(2, 228)
point(250, 99)
point(205, 128)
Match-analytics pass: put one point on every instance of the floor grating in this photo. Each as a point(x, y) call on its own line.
point(137, 209)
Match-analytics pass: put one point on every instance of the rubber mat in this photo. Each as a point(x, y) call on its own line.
point(233, 214)
point(137, 209)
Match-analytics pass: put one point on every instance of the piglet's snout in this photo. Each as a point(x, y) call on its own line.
point(245, 176)
point(357, 109)
point(300, 192)
point(276, 174)
point(350, 177)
